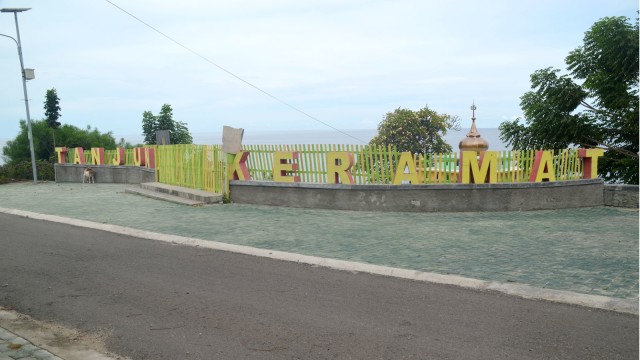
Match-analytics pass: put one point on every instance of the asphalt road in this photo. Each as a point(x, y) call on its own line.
point(155, 300)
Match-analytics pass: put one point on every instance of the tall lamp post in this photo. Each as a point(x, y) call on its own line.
point(25, 76)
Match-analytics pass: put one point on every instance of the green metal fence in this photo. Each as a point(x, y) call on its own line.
point(204, 166)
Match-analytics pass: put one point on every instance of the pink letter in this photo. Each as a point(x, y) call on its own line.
point(150, 158)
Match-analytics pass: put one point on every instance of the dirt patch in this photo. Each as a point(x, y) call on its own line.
point(66, 343)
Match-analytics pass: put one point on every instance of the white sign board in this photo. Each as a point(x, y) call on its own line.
point(232, 139)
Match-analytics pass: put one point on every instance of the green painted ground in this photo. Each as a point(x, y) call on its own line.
point(591, 250)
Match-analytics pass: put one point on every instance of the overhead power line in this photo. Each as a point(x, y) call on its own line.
point(232, 74)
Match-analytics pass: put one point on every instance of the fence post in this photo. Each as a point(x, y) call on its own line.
point(227, 176)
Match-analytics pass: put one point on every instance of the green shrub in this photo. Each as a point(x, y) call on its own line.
point(4, 177)
point(46, 170)
point(23, 171)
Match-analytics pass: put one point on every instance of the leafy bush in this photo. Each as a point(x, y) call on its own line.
point(4, 174)
point(23, 171)
point(17, 150)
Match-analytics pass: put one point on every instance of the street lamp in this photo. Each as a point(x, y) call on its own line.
point(30, 76)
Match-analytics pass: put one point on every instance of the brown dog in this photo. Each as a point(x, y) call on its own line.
point(88, 176)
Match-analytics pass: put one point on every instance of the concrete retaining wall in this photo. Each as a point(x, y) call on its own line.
point(105, 174)
point(423, 198)
point(621, 196)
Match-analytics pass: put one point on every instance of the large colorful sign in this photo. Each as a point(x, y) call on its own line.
point(473, 169)
point(141, 156)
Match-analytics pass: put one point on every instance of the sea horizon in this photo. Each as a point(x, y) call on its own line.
point(325, 137)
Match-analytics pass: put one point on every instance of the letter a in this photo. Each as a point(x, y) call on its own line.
point(78, 156)
point(543, 167)
point(406, 162)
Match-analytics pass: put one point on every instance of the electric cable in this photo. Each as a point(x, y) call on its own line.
point(234, 75)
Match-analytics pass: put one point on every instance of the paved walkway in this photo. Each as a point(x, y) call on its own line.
point(590, 251)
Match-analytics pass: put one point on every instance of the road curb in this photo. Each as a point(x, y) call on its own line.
point(629, 306)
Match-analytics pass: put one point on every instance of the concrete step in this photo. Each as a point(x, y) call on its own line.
point(162, 196)
point(185, 193)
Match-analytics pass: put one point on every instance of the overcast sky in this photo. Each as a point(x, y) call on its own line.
point(344, 62)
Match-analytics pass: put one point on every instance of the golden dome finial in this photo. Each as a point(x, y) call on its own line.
point(473, 110)
point(473, 141)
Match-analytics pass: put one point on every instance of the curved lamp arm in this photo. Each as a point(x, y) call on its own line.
point(12, 38)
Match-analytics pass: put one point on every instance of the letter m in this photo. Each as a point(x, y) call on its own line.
point(472, 171)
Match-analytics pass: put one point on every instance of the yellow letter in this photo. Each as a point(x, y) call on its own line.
point(138, 156)
point(283, 164)
point(97, 156)
point(78, 156)
point(590, 162)
point(406, 161)
point(543, 167)
point(62, 154)
point(239, 169)
point(118, 159)
point(479, 173)
point(339, 164)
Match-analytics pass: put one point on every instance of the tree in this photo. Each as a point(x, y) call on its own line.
point(149, 126)
point(17, 150)
point(52, 112)
point(181, 134)
point(178, 131)
point(595, 105)
point(52, 108)
point(419, 132)
point(125, 144)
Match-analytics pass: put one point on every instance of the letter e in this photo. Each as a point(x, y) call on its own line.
point(283, 165)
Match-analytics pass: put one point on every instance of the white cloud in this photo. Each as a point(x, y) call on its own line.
point(345, 62)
